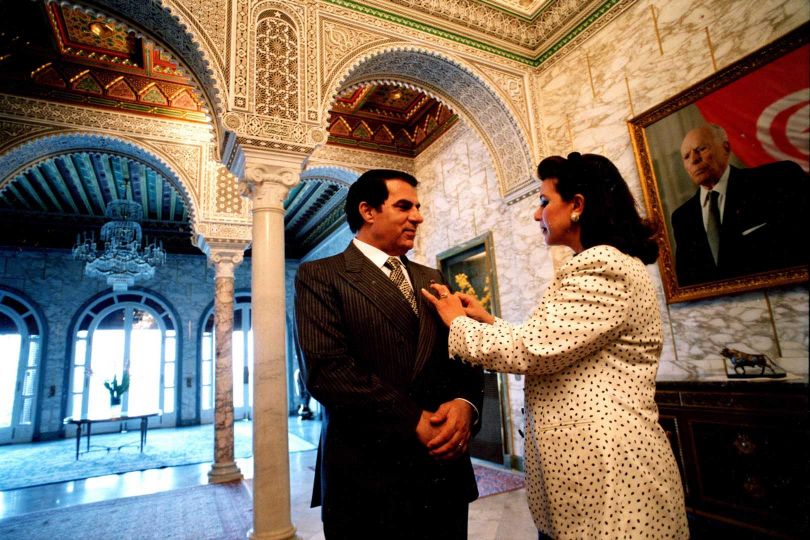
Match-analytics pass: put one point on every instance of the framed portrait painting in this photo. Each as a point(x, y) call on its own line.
point(724, 168)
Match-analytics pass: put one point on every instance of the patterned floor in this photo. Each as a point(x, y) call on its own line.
point(502, 516)
point(24, 465)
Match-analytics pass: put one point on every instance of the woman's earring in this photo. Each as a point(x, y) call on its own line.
point(574, 217)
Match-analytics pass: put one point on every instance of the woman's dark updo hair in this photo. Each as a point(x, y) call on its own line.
point(610, 215)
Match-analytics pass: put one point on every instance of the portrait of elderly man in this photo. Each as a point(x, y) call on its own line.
point(739, 221)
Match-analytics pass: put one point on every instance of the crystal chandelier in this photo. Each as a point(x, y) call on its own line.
point(122, 262)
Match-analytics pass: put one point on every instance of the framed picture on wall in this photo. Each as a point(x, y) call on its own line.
point(743, 135)
point(470, 268)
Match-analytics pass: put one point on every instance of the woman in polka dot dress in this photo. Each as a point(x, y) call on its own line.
point(598, 464)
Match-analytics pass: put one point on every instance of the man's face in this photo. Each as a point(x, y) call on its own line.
point(705, 157)
point(392, 227)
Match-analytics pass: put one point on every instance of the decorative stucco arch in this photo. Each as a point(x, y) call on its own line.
point(455, 83)
point(26, 155)
point(342, 176)
point(167, 29)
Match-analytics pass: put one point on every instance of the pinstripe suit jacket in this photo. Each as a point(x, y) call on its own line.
point(765, 208)
point(374, 366)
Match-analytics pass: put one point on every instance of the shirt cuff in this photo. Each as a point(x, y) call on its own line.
point(477, 414)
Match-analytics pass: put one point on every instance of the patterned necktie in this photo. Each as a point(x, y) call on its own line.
point(398, 277)
point(713, 224)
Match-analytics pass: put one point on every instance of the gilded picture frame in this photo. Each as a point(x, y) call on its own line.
point(470, 268)
point(657, 134)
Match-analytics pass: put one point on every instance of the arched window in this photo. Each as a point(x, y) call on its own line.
point(242, 346)
point(131, 332)
point(20, 356)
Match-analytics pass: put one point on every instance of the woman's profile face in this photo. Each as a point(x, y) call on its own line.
point(554, 216)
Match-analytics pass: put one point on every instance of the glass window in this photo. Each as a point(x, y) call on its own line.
point(9, 365)
point(127, 334)
point(19, 363)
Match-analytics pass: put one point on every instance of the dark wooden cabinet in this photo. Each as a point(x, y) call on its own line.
point(742, 448)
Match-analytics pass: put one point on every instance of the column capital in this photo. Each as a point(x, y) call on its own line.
point(225, 261)
point(268, 178)
point(224, 256)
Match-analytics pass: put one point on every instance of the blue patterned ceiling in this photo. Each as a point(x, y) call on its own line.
point(83, 184)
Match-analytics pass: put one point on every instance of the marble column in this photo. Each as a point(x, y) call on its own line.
point(224, 468)
point(267, 181)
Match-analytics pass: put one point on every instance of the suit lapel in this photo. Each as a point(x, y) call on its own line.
point(379, 290)
point(698, 232)
point(733, 205)
point(427, 323)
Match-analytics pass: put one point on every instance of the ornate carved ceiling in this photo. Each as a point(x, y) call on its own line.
point(68, 194)
point(62, 53)
point(312, 211)
point(388, 118)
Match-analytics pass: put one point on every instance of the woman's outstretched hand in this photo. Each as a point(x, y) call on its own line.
point(449, 306)
point(474, 310)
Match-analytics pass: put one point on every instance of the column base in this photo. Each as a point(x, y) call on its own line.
point(224, 472)
point(288, 534)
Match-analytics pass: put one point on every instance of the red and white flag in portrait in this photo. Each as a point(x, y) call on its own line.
point(766, 113)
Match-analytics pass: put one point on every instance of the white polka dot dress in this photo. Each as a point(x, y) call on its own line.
point(598, 464)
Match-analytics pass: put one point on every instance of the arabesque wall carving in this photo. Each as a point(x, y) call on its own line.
point(340, 43)
point(187, 158)
point(452, 82)
point(13, 133)
point(274, 47)
point(228, 199)
point(512, 86)
point(276, 72)
point(360, 160)
point(222, 199)
point(57, 114)
point(213, 232)
point(210, 21)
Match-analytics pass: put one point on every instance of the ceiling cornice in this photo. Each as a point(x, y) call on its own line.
point(559, 29)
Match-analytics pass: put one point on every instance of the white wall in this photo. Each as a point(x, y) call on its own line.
point(587, 110)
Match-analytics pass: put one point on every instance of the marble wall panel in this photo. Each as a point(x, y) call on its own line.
point(789, 308)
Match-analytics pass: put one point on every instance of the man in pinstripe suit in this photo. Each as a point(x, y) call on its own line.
point(398, 413)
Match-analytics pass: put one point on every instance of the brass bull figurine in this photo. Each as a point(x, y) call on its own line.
point(741, 360)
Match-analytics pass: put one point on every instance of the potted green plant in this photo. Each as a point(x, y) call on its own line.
point(117, 389)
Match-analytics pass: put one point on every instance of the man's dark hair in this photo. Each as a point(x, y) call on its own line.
point(610, 216)
point(370, 188)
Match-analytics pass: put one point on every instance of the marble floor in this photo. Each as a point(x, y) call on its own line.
point(497, 517)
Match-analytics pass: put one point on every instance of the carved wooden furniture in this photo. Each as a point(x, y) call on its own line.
point(742, 448)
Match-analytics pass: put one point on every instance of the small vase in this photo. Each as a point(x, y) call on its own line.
point(115, 407)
